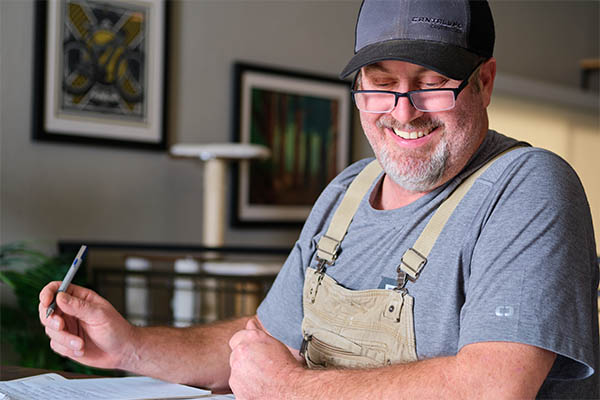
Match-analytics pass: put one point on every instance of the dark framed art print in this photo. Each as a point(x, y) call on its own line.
point(305, 121)
point(100, 70)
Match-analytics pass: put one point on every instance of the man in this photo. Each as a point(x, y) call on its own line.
point(500, 304)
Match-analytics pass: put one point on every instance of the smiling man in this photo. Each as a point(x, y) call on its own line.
point(419, 143)
point(459, 263)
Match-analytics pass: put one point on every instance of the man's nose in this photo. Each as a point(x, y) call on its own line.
point(405, 112)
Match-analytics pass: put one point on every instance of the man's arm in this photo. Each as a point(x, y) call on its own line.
point(263, 368)
point(89, 330)
point(492, 370)
point(197, 356)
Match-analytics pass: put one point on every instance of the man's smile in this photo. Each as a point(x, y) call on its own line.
point(417, 129)
point(412, 134)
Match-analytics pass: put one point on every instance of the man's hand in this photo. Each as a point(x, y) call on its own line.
point(86, 327)
point(261, 366)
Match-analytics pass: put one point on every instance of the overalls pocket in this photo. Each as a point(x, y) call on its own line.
point(339, 352)
point(355, 329)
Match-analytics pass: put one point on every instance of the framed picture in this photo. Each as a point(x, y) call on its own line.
point(100, 72)
point(305, 122)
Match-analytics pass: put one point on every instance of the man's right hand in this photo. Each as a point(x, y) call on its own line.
point(86, 327)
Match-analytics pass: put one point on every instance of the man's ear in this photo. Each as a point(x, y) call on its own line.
point(487, 74)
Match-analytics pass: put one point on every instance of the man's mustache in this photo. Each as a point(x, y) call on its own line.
point(419, 124)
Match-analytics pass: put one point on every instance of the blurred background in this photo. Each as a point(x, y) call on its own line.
point(546, 93)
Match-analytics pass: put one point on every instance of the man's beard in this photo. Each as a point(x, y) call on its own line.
point(417, 175)
point(414, 173)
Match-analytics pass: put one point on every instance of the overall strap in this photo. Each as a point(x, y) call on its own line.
point(329, 244)
point(415, 258)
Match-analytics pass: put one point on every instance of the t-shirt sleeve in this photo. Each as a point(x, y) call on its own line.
point(281, 311)
point(533, 271)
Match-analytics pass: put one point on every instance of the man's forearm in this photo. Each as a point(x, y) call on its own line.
point(421, 379)
point(197, 356)
point(483, 370)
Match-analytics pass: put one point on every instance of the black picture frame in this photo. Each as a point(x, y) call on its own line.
point(100, 73)
point(305, 120)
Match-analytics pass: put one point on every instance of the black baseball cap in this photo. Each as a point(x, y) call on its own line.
point(447, 36)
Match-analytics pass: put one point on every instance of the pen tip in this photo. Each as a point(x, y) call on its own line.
point(49, 312)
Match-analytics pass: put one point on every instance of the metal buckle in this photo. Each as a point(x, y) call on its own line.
point(408, 266)
point(304, 345)
point(322, 266)
point(401, 280)
point(327, 242)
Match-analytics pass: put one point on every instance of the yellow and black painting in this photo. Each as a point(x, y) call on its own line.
point(103, 63)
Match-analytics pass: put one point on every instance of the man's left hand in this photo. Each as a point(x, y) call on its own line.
point(261, 366)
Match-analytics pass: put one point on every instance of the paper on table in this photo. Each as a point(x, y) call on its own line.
point(55, 387)
point(31, 387)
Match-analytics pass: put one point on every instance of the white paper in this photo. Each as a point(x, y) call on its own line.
point(55, 387)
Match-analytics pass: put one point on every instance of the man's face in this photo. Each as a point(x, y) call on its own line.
point(421, 150)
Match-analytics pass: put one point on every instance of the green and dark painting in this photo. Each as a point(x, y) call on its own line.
point(301, 132)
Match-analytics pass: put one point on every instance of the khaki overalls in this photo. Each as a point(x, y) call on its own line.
point(366, 328)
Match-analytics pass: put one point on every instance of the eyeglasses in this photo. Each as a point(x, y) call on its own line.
point(426, 100)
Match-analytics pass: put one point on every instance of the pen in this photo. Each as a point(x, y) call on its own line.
point(68, 278)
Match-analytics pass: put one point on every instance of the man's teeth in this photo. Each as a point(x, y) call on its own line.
point(411, 135)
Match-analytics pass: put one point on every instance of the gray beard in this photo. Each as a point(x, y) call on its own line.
point(412, 174)
point(418, 176)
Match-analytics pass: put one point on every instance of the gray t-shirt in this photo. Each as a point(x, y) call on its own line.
point(515, 262)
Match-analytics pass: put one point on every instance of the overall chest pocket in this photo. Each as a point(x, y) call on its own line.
point(355, 329)
point(325, 349)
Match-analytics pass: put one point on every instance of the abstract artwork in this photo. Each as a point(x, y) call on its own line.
point(100, 73)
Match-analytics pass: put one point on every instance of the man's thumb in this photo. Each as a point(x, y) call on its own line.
point(73, 306)
point(251, 324)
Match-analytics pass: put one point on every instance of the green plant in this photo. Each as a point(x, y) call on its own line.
point(26, 271)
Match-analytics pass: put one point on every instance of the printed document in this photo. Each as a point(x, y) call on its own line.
point(56, 387)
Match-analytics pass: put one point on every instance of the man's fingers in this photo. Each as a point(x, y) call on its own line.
point(251, 324)
point(47, 293)
point(61, 341)
point(66, 351)
point(54, 322)
point(64, 339)
point(42, 313)
point(235, 339)
point(251, 334)
point(74, 306)
point(58, 348)
point(242, 336)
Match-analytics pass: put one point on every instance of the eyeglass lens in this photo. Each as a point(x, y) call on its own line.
point(435, 100)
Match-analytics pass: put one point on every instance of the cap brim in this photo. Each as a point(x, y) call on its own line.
point(451, 61)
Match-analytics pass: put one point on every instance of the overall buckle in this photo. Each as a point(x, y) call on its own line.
point(322, 265)
point(327, 250)
point(304, 345)
point(401, 281)
point(412, 263)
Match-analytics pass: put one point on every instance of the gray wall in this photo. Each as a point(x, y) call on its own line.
point(65, 191)
point(546, 39)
